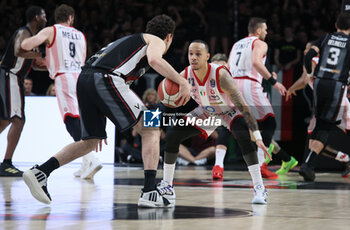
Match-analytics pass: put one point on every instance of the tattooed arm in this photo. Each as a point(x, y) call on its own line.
point(229, 87)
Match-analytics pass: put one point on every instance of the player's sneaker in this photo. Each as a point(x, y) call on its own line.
point(91, 168)
point(266, 173)
point(270, 150)
point(36, 181)
point(307, 172)
point(286, 166)
point(346, 172)
point(167, 191)
point(9, 170)
point(260, 194)
point(153, 199)
point(218, 172)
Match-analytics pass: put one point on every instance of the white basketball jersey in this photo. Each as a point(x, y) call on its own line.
point(240, 59)
point(67, 52)
point(208, 93)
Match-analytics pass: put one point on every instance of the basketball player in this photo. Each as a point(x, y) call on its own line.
point(103, 91)
point(215, 91)
point(65, 54)
point(15, 65)
point(332, 76)
point(246, 62)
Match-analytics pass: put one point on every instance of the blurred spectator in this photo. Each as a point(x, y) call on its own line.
point(150, 98)
point(199, 152)
point(28, 86)
point(51, 91)
point(288, 51)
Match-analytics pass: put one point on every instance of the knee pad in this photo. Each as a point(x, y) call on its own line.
point(267, 127)
point(224, 136)
point(73, 127)
point(241, 132)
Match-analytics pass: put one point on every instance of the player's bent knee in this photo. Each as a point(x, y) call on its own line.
point(316, 146)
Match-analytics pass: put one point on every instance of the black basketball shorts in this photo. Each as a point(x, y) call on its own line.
point(11, 96)
point(103, 95)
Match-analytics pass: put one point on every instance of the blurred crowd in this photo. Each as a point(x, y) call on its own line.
point(103, 21)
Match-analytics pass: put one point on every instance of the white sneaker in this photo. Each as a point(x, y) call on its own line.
point(78, 173)
point(182, 161)
point(202, 161)
point(91, 168)
point(153, 199)
point(260, 195)
point(36, 181)
point(167, 191)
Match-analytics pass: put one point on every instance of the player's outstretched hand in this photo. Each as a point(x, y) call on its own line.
point(184, 94)
point(280, 88)
point(289, 94)
point(99, 145)
point(261, 145)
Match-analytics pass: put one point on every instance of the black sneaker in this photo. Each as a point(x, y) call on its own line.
point(8, 170)
point(36, 180)
point(346, 172)
point(307, 172)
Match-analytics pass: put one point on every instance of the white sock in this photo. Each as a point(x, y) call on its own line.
point(254, 171)
point(261, 156)
point(219, 157)
point(342, 157)
point(168, 173)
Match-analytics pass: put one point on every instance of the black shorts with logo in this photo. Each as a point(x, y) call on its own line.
point(11, 96)
point(102, 95)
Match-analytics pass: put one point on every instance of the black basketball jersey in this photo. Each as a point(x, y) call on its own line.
point(334, 62)
point(125, 57)
point(16, 65)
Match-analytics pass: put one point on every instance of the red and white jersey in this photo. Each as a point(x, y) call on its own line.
point(67, 52)
point(208, 93)
point(240, 59)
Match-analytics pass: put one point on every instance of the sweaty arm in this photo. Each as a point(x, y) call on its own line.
point(313, 52)
point(20, 52)
point(229, 87)
point(44, 36)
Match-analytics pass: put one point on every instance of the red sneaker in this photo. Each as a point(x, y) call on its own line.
point(218, 172)
point(266, 173)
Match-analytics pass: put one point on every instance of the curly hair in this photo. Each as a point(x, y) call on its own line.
point(161, 26)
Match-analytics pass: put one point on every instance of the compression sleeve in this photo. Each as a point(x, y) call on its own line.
point(308, 60)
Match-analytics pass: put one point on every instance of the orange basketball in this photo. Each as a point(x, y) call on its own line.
point(167, 92)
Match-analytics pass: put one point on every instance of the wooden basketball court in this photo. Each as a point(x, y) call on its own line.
point(110, 202)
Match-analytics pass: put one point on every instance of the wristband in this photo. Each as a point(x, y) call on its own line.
point(257, 135)
point(272, 80)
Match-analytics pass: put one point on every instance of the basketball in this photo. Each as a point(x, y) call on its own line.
point(167, 92)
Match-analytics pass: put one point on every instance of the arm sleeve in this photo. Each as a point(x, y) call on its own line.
point(308, 60)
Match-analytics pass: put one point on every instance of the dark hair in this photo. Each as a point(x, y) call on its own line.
point(203, 42)
point(161, 26)
point(219, 57)
point(63, 12)
point(254, 24)
point(343, 21)
point(33, 11)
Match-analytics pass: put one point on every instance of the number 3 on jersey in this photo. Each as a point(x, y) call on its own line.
point(72, 49)
point(333, 56)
